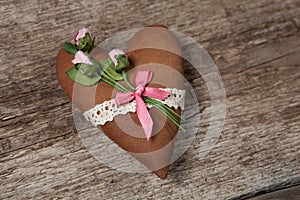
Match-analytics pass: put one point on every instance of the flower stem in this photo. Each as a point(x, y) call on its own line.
point(161, 107)
point(167, 108)
point(115, 83)
point(126, 80)
point(112, 84)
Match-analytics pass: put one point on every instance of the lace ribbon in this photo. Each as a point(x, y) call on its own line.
point(106, 111)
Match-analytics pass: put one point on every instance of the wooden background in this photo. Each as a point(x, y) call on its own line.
point(256, 45)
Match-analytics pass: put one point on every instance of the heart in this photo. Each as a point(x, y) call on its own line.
point(155, 48)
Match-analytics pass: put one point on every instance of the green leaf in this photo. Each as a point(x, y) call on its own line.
point(123, 62)
point(106, 63)
point(110, 71)
point(78, 77)
point(89, 70)
point(70, 48)
point(109, 68)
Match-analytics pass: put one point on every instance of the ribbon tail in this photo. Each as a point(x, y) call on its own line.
point(156, 93)
point(144, 116)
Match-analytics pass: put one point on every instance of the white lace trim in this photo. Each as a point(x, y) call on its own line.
point(106, 111)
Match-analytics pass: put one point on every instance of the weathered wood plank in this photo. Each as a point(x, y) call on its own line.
point(256, 45)
point(292, 193)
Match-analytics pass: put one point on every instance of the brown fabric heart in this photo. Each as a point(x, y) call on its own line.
point(163, 55)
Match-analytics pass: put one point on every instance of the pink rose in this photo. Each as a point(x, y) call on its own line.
point(80, 34)
point(81, 57)
point(114, 53)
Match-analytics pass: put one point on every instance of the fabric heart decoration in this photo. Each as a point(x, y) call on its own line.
point(152, 67)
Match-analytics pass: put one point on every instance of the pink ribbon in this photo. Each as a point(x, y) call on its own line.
point(143, 77)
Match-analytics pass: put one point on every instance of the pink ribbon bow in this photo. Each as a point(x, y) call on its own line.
point(143, 77)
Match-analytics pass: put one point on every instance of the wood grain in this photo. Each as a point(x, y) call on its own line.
point(256, 45)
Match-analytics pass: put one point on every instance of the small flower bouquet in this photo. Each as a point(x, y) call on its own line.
point(95, 79)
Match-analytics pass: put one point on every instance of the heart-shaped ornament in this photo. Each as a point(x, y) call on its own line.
point(152, 48)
